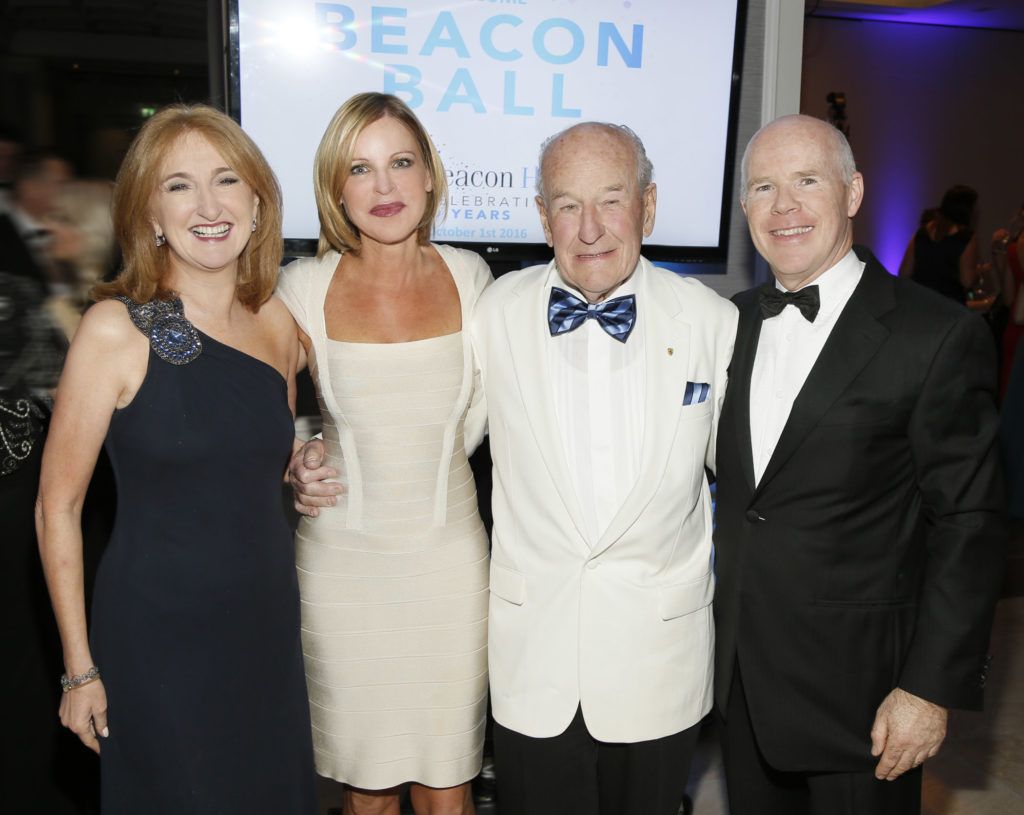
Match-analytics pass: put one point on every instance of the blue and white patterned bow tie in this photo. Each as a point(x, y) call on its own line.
point(566, 312)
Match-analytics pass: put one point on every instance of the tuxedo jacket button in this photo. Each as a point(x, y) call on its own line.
point(753, 517)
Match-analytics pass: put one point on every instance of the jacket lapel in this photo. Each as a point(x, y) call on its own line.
point(663, 320)
point(740, 370)
point(527, 331)
point(854, 341)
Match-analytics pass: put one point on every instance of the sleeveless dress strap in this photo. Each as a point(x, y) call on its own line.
point(171, 336)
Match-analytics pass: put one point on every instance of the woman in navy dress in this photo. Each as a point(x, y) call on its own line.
point(190, 683)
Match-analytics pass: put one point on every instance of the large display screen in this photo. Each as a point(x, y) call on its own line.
point(490, 80)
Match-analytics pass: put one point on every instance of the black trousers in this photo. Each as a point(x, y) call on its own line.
point(757, 788)
point(575, 774)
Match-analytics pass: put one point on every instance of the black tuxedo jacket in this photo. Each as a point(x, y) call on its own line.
point(871, 553)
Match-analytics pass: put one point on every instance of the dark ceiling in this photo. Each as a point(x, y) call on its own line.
point(187, 19)
point(1006, 15)
point(171, 19)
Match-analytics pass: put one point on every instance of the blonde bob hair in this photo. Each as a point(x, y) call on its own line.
point(144, 273)
point(334, 156)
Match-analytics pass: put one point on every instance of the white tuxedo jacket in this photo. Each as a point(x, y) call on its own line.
point(621, 624)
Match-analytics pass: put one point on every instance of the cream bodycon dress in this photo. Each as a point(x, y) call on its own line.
point(393, 579)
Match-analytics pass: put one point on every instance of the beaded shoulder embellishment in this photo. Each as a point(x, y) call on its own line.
point(171, 335)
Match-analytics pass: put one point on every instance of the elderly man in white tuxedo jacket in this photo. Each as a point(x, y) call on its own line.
point(604, 377)
point(601, 426)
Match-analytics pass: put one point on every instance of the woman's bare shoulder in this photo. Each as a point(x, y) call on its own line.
point(108, 323)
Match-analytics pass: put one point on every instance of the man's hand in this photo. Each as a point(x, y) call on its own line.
point(907, 730)
point(306, 475)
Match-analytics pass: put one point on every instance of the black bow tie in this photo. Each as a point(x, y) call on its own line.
point(773, 300)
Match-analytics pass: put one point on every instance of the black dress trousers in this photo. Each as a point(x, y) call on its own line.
point(575, 774)
point(757, 788)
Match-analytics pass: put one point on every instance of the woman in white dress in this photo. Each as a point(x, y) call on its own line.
point(393, 577)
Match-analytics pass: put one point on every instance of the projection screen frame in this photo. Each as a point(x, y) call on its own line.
point(513, 253)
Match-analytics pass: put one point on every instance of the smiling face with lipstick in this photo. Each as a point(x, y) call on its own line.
point(378, 176)
point(202, 207)
point(387, 189)
point(188, 193)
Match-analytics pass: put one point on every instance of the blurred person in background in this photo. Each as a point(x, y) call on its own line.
point(943, 254)
point(24, 238)
point(1008, 265)
point(45, 773)
point(31, 353)
point(10, 152)
point(1011, 438)
point(81, 247)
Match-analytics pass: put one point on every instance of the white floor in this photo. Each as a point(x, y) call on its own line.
point(980, 770)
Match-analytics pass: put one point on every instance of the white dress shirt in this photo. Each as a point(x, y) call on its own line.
point(788, 347)
point(598, 387)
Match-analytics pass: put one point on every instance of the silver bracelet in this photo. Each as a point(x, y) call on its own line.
point(69, 683)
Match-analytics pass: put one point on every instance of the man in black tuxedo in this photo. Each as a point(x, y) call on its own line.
point(23, 234)
point(859, 549)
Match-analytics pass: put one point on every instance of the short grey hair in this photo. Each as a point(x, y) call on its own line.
point(838, 149)
point(644, 167)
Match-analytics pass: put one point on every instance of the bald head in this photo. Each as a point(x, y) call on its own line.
point(621, 133)
point(800, 192)
point(596, 205)
point(835, 145)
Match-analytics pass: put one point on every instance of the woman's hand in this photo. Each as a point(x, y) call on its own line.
point(83, 710)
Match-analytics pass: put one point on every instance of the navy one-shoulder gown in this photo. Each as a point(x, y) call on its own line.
point(196, 609)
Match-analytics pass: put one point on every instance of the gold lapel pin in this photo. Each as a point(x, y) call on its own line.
point(671, 351)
